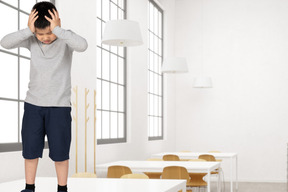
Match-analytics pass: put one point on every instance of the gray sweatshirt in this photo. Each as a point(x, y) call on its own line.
point(50, 65)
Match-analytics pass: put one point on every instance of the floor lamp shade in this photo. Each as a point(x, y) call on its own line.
point(122, 33)
point(174, 65)
point(203, 82)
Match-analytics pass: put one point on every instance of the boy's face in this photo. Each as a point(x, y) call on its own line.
point(45, 35)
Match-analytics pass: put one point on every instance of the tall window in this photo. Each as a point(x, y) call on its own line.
point(14, 73)
point(111, 78)
point(155, 78)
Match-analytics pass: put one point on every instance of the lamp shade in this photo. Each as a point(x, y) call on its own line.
point(203, 82)
point(122, 33)
point(174, 65)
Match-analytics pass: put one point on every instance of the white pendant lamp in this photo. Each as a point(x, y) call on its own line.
point(124, 33)
point(203, 82)
point(174, 65)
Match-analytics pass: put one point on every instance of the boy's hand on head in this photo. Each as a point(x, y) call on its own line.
point(55, 21)
point(32, 18)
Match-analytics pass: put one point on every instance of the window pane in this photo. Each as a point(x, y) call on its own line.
point(12, 2)
point(24, 77)
point(115, 1)
point(114, 68)
point(114, 97)
point(160, 125)
point(99, 63)
point(121, 51)
point(155, 98)
point(120, 15)
point(120, 98)
point(121, 3)
point(8, 76)
point(151, 126)
point(155, 20)
point(23, 20)
point(151, 20)
point(8, 18)
point(105, 65)
point(27, 5)
point(160, 25)
point(151, 85)
point(9, 122)
point(114, 125)
point(105, 125)
point(121, 71)
point(105, 95)
point(99, 35)
point(105, 10)
point(121, 125)
point(114, 12)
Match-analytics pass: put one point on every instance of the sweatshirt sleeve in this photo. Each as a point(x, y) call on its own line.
point(73, 40)
point(17, 39)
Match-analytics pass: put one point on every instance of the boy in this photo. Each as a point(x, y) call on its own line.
point(47, 104)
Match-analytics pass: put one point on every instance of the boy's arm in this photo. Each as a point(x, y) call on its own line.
point(73, 40)
point(20, 38)
point(17, 39)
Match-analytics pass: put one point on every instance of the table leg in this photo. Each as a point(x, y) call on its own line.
point(184, 187)
point(236, 159)
point(208, 181)
point(231, 176)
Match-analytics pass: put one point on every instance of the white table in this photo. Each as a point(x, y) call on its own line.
point(49, 184)
point(192, 155)
point(157, 166)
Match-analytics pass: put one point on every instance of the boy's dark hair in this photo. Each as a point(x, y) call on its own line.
point(42, 8)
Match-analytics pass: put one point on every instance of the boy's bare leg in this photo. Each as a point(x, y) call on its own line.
point(62, 171)
point(30, 170)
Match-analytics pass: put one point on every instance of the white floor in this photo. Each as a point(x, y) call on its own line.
point(255, 187)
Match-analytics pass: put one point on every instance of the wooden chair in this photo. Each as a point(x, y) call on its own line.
point(209, 157)
point(196, 179)
point(154, 175)
point(216, 152)
point(176, 172)
point(134, 176)
point(84, 175)
point(170, 157)
point(116, 171)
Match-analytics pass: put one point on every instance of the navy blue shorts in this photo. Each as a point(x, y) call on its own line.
point(55, 122)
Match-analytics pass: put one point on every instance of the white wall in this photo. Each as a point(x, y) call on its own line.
point(245, 52)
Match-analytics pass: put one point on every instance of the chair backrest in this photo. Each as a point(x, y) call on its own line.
point(207, 157)
point(84, 175)
point(170, 157)
point(116, 171)
point(175, 172)
point(134, 176)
